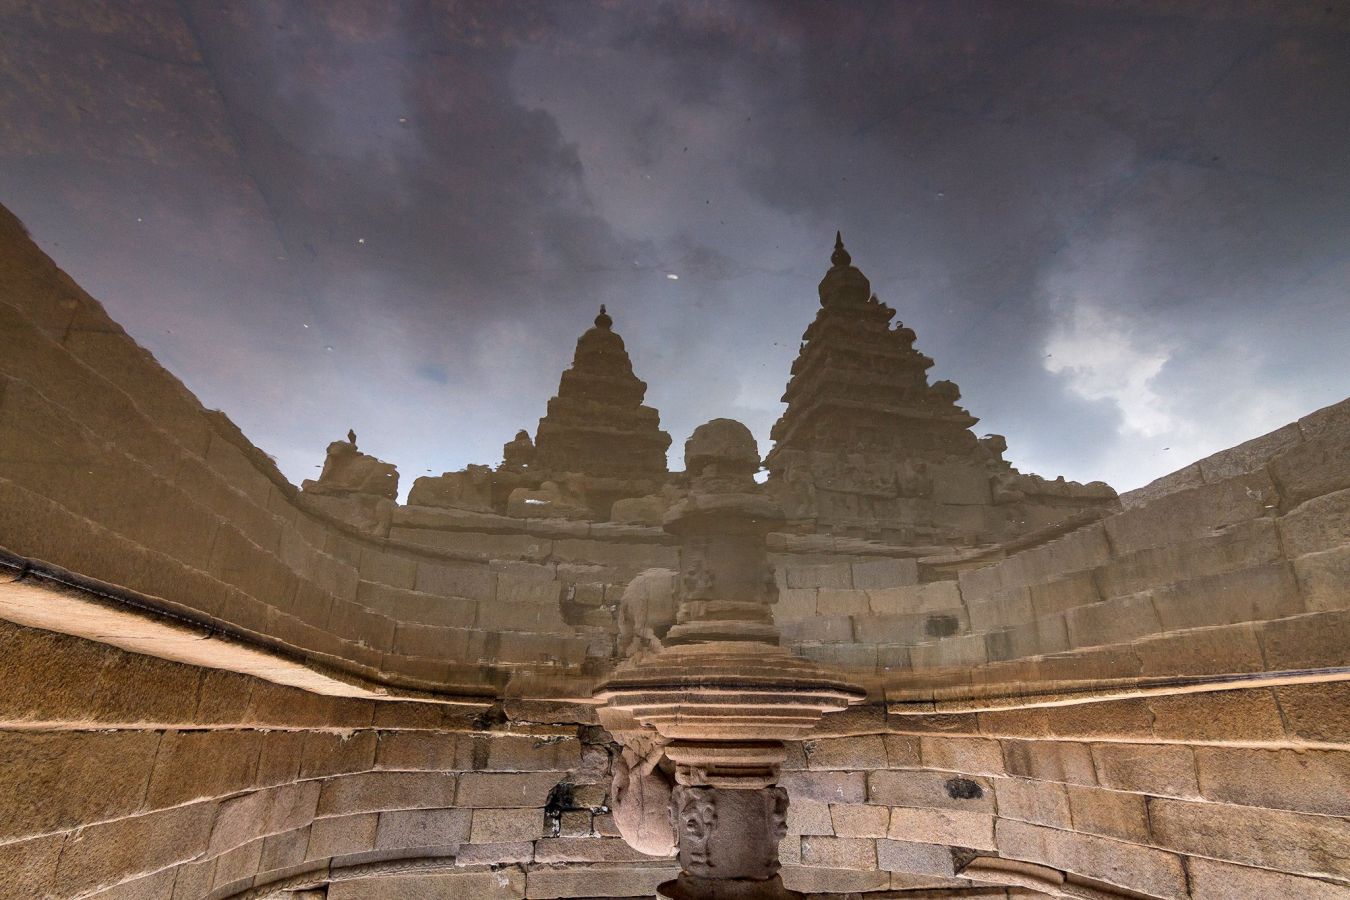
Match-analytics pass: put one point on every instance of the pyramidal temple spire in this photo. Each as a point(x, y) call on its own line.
point(597, 424)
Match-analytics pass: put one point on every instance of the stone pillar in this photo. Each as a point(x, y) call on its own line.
point(721, 693)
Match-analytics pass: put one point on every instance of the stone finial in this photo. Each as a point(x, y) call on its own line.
point(843, 284)
point(724, 443)
point(603, 320)
point(840, 256)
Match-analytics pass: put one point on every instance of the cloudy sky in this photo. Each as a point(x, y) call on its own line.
point(1123, 228)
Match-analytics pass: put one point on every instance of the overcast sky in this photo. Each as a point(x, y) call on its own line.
point(1123, 228)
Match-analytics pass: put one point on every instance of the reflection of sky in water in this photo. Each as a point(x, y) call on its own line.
point(1123, 234)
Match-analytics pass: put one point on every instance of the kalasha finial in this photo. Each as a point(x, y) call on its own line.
point(840, 256)
point(603, 320)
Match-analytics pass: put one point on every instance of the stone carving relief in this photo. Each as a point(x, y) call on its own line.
point(354, 487)
point(347, 470)
point(694, 818)
point(642, 790)
point(646, 611)
point(698, 583)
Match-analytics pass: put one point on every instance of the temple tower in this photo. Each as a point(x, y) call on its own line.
point(860, 386)
point(597, 425)
point(868, 447)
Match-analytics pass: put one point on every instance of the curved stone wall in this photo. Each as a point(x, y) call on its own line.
point(127, 776)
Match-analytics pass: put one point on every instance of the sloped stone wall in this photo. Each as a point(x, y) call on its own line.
point(111, 469)
point(1246, 574)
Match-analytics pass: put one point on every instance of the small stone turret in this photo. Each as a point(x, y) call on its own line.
point(597, 425)
point(598, 437)
point(518, 452)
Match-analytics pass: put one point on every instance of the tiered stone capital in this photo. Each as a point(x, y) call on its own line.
point(727, 691)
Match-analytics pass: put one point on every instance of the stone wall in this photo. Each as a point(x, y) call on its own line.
point(131, 777)
point(111, 469)
point(1247, 574)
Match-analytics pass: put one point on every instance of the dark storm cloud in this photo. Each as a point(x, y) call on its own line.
point(1120, 226)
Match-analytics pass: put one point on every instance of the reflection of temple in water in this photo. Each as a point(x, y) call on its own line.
point(898, 669)
point(867, 447)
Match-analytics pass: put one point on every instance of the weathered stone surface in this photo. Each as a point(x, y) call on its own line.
point(975, 756)
point(104, 854)
point(59, 780)
point(342, 835)
point(1322, 579)
point(503, 884)
point(495, 854)
point(946, 826)
point(504, 825)
point(29, 866)
point(1298, 780)
point(374, 791)
point(398, 829)
point(470, 489)
point(915, 858)
point(596, 881)
point(807, 816)
point(1037, 802)
point(501, 790)
point(1114, 814)
point(1213, 880)
point(939, 790)
point(810, 880)
point(855, 854)
point(1047, 761)
point(857, 820)
point(827, 787)
point(1154, 872)
point(1161, 769)
point(862, 752)
point(1284, 841)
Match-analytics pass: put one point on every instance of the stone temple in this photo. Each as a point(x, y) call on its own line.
point(897, 669)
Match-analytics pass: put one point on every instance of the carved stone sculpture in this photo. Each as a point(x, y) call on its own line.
point(646, 611)
point(727, 813)
point(641, 793)
point(353, 487)
point(347, 470)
